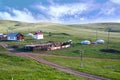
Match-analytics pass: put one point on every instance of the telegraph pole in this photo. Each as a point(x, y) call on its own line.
point(81, 58)
point(108, 37)
point(96, 33)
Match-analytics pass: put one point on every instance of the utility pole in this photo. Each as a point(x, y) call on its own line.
point(96, 33)
point(108, 37)
point(81, 58)
point(7, 31)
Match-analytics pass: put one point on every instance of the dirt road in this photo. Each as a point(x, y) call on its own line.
point(61, 68)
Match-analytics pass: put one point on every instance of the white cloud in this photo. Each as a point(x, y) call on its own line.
point(105, 20)
point(108, 11)
point(115, 1)
point(17, 15)
point(57, 12)
point(69, 9)
point(41, 7)
point(82, 19)
point(80, 12)
point(76, 12)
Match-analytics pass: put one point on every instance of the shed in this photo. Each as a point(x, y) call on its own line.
point(3, 36)
point(38, 35)
point(15, 36)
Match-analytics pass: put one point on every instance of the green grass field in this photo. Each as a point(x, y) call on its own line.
point(20, 68)
point(94, 61)
point(109, 68)
point(92, 51)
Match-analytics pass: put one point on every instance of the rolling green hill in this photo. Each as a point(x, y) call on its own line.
point(84, 31)
point(115, 27)
point(61, 33)
point(19, 68)
point(47, 26)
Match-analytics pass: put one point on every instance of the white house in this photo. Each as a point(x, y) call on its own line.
point(15, 36)
point(38, 35)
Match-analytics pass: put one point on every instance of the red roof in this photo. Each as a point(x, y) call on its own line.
point(38, 33)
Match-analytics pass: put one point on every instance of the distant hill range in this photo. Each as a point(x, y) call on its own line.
point(6, 25)
point(113, 27)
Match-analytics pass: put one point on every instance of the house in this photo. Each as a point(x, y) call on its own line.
point(3, 36)
point(38, 35)
point(15, 36)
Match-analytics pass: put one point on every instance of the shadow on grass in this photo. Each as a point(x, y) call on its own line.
point(110, 51)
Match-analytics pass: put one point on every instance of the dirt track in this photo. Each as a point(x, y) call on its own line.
point(61, 68)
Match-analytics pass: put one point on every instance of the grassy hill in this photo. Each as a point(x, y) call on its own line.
point(115, 27)
point(78, 31)
point(82, 30)
point(102, 67)
point(61, 33)
point(19, 68)
point(17, 26)
point(48, 26)
point(14, 26)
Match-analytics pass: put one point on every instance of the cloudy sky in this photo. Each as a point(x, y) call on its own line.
point(60, 11)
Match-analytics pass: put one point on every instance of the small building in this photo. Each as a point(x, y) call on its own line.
point(38, 35)
point(15, 36)
point(51, 45)
point(100, 41)
point(30, 34)
point(86, 42)
point(3, 36)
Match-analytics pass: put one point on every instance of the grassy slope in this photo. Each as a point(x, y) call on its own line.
point(92, 51)
point(84, 31)
point(99, 26)
point(102, 67)
point(77, 34)
point(20, 68)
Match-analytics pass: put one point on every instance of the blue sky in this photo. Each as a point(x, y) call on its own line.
point(60, 11)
